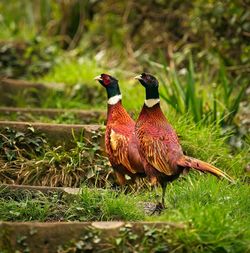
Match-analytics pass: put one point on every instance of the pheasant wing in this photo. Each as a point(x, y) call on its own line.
point(119, 146)
point(156, 153)
point(160, 149)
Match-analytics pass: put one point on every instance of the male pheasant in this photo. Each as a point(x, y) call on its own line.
point(159, 146)
point(120, 141)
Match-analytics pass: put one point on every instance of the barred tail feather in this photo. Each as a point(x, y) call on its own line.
point(190, 162)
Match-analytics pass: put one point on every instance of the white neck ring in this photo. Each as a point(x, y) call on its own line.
point(151, 102)
point(114, 100)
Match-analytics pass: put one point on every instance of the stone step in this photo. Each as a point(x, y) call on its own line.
point(116, 236)
point(60, 134)
point(9, 84)
point(30, 91)
point(43, 189)
point(85, 116)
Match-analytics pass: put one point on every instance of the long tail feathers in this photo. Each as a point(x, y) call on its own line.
point(190, 162)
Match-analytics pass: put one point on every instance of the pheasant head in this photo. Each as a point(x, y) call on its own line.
point(151, 84)
point(112, 87)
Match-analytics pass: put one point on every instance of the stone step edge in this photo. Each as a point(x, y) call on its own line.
point(58, 134)
point(43, 189)
point(53, 112)
point(10, 83)
point(95, 236)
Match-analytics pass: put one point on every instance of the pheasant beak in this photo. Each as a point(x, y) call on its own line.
point(139, 77)
point(98, 78)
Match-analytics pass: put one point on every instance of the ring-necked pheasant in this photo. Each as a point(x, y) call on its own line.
point(120, 141)
point(159, 146)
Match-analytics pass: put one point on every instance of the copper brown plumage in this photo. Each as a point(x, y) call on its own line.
point(120, 142)
point(158, 143)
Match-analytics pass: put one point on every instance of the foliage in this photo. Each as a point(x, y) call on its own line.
point(26, 59)
point(119, 29)
point(15, 144)
point(135, 30)
point(28, 159)
point(122, 34)
point(175, 28)
point(218, 104)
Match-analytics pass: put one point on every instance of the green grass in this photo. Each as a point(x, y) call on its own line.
point(17, 207)
point(217, 214)
point(91, 205)
point(105, 205)
point(72, 71)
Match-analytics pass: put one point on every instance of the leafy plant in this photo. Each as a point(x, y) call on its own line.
point(14, 144)
point(217, 105)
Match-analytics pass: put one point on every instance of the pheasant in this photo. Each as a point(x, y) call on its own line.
point(158, 144)
point(120, 141)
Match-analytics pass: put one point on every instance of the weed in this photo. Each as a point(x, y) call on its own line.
point(91, 204)
point(24, 207)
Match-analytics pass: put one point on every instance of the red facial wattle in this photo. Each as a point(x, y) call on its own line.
point(106, 79)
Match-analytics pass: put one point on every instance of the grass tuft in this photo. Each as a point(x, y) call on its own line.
point(94, 204)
